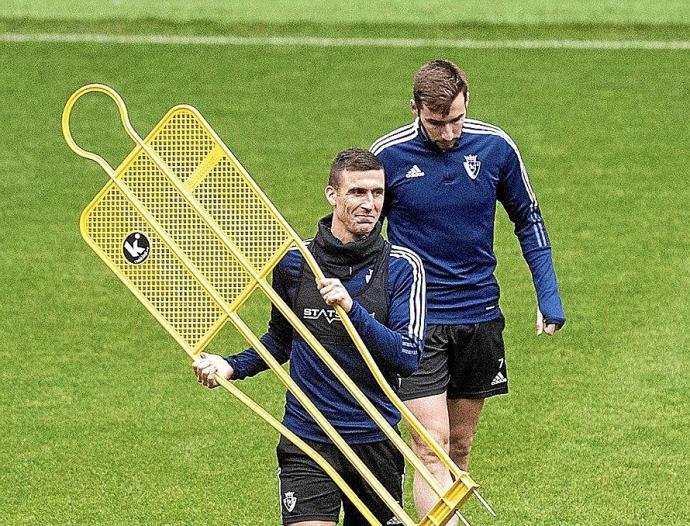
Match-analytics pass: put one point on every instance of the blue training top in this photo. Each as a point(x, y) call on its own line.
point(442, 203)
point(396, 347)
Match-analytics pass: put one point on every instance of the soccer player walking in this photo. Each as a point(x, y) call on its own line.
point(381, 287)
point(444, 174)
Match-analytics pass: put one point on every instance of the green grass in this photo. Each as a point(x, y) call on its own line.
point(470, 19)
point(102, 422)
point(406, 11)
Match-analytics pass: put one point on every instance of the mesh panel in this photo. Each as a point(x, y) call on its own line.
point(187, 148)
point(161, 278)
point(237, 209)
point(186, 229)
point(182, 144)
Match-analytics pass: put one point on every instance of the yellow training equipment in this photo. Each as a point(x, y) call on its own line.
point(190, 233)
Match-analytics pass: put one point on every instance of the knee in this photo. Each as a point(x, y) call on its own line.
point(460, 446)
point(424, 451)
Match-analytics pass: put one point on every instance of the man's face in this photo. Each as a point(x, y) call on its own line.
point(356, 203)
point(444, 131)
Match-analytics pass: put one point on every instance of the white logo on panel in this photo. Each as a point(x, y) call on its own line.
point(135, 248)
point(472, 166)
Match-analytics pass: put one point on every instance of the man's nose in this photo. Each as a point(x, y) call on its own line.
point(447, 132)
point(368, 201)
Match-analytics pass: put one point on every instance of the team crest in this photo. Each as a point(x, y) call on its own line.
point(472, 166)
point(290, 500)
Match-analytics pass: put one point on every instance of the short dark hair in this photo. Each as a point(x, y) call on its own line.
point(354, 160)
point(437, 84)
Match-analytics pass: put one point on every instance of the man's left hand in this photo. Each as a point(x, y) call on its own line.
point(543, 327)
point(207, 365)
point(333, 292)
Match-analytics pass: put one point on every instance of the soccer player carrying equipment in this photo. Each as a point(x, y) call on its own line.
point(189, 232)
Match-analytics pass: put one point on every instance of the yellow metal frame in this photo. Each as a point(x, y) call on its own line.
point(163, 187)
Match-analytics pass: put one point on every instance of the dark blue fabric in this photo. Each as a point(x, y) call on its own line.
point(436, 207)
point(396, 348)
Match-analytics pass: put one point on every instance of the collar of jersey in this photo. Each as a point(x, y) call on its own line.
point(344, 260)
point(431, 145)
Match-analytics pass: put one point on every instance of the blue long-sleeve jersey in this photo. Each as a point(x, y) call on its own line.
point(396, 348)
point(442, 205)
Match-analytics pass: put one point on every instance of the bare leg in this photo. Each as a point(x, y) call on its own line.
point(432, 412)
point(463, 416)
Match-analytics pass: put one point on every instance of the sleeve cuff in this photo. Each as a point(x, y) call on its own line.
point(558, 321)
point(236, 370)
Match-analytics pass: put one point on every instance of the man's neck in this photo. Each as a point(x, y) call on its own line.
point(344, 236)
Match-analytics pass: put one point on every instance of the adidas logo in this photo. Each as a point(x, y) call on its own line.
point(415, 171)
point(394, 520)
point(499, 379)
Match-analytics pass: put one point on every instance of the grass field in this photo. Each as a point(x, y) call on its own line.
point(329, 11)
point(102, 421)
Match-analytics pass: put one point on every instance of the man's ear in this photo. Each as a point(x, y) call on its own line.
point(467, 99)
point(413, 106)
point(330, 195)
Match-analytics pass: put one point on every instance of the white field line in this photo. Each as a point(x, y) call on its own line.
point(341, 42)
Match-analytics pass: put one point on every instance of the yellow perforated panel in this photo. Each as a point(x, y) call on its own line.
point(189, 152)
point(186, 228)
point(182, 143)
point(187, 147)
point(237, 209)
point(161, 279)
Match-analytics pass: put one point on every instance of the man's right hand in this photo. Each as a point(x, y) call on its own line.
point(334, 292)
point(208, 364)
point(543, 327)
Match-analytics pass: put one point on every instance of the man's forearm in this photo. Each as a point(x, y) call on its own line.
point(248, 363)
point(541, 266)
point(391, 350)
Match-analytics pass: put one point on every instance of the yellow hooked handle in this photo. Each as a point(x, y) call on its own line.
point(124, 117)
